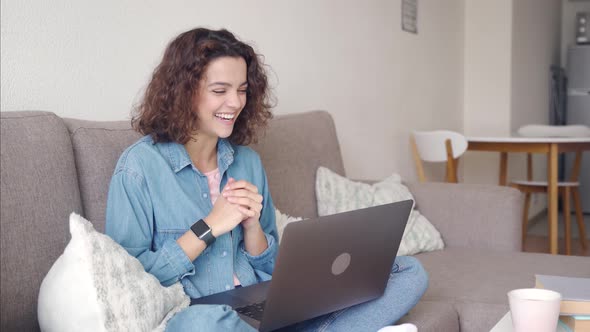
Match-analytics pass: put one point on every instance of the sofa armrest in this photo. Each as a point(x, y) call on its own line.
point(472, 216)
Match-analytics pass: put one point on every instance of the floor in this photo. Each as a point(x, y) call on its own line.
point(537, 240)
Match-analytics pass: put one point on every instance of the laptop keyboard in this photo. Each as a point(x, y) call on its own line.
point(253, 310)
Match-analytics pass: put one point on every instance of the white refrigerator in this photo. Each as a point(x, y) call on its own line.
point(578, 110)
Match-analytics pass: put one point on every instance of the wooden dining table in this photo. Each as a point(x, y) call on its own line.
point(550, 146)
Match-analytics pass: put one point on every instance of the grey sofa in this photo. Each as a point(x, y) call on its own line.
point(52, 166)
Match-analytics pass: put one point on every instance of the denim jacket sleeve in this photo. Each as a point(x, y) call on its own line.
point(263, 264)
point(129, 221)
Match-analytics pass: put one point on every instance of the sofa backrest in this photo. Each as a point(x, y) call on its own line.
point(51, 168)
point(97, 147)
point(294, 146)
point(39, 190)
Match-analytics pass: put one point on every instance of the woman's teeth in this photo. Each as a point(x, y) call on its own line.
point(225, 116)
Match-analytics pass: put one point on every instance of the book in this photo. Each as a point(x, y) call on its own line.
point(575, 292)
point(576, 323)
point(505, 324)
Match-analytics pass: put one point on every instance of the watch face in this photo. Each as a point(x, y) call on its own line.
point(200, 228)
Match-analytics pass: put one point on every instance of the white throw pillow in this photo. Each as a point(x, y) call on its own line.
point(282, 220)
point(336, 194)
point(95, 285)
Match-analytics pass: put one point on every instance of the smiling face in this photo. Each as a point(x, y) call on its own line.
point(221, 97)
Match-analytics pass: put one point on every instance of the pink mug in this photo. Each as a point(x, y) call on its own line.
point(534, 309)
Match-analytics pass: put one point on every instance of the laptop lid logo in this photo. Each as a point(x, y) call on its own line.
point(341, 263)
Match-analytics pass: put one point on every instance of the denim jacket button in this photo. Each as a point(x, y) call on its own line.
point(224, 253)
point(227, 287)
point(204, 195)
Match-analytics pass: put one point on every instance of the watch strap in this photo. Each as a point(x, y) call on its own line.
point(203, 232)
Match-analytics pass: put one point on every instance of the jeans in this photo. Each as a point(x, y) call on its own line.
point(407, 283)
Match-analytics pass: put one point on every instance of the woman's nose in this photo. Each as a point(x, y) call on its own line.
point(234, 100)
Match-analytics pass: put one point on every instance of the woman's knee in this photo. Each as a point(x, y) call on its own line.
point(411, 266)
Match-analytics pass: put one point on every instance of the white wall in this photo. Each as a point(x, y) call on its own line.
point(535, 48)
point(488, 50)
point(430, 74)
point(536, 43)
point(510, 46)
point(89, 59)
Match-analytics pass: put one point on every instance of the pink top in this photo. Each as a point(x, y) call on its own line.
point(214, 181)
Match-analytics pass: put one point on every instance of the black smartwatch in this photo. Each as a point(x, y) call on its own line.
point(203, 232)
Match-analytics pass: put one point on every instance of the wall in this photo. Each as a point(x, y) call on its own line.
point(507, 78)
point(488, 55)
point(535, 48)
point(91, 60)
point(430, 73)
point(536, 40)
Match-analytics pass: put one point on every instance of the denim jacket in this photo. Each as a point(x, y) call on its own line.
point(156, 194)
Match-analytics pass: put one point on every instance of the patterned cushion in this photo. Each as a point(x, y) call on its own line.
point(282, 220)
point(97, 286)
point(336, 194)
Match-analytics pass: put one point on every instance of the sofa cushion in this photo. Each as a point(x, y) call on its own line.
point(95, 285)
point(337, 194)
point(468, 276)
point(433, 317)
point(282, 220)
point(458, 273)
point(472, 215)
point(39, 191)
point(479, 316)
point(292, 149)
point(97, 147)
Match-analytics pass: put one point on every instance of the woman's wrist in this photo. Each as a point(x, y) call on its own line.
point(191, 245)
point(254, 239)
point(251, 226)
point(211, 223)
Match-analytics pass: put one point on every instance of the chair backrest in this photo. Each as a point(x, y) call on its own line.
point(432, 148)
point(438, 146)
point(535, 130)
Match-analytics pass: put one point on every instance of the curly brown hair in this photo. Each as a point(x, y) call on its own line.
point(166, 111)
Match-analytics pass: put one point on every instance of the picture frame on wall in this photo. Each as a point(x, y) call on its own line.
point(410, 16)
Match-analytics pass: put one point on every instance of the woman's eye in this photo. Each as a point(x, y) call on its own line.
point(218, 91)
point(243, 91)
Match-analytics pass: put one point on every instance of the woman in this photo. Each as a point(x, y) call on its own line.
point(191, 202)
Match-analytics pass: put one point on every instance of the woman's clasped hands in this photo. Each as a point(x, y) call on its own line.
point(238, 202)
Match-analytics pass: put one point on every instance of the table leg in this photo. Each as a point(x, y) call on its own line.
point(552, 198)
point(503, 168)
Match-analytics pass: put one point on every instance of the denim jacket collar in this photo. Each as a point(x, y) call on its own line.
point(178, 156)
point(225, 155)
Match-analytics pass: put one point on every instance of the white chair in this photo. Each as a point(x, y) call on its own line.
point(565, 188)
point(438, 146)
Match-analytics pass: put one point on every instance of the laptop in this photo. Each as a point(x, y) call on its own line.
point(324, 264)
